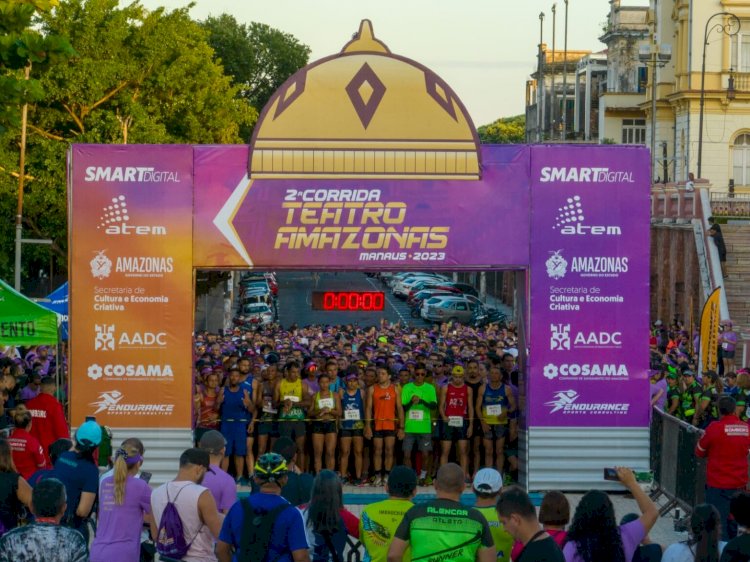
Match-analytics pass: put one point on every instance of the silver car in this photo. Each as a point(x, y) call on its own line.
point(450, 309)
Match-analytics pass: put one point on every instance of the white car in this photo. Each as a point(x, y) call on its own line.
point(402, 288)
point(258, 314)
point(431, 304)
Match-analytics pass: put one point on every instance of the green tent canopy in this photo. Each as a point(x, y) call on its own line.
point(23, 322)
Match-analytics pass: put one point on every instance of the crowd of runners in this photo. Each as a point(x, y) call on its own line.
point(360, 400)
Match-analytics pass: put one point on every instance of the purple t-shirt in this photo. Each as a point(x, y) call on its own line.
point(118, 531)
point(655, 388)
point(632, 534)
point(728, 341)
point(27, 393)
point(222, 487)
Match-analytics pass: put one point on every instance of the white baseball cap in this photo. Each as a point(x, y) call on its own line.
point(488, 481)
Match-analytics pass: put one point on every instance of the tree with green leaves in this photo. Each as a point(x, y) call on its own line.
point(257, 57)
point(506, 130)
point(137, 76)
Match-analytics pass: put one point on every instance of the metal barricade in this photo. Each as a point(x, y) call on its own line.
point(679, 475)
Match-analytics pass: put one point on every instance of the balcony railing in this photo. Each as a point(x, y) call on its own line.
point(742, 81)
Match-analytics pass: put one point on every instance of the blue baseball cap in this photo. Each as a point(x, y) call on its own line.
point(89, 434)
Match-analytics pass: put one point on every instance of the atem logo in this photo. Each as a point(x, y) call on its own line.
point(115, 220)
point(112, 403)
point(566, 401)
point(147, 174)
point(584, 175)
point(593, 371)
point(570, 217)
point(96, 372)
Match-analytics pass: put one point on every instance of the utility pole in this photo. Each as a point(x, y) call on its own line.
point(540, 82)
point(21, 178)
point(565, 78)
point(553, 96)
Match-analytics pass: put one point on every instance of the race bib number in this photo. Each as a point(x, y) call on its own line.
point(455, 421)
point(292, 398)
point(268, 407)
point(325, 403)
point(351, 415)
point(725, 346)
point(416, 415)
point(494, 410)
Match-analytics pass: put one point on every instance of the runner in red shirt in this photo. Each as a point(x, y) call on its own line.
point(27, 453)
point(456, 407)
point(725, 445)
point(48, 416)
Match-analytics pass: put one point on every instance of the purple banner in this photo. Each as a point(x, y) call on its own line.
point(589, 287)
point(361, 224)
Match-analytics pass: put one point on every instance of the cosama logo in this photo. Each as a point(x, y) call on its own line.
point(138, 174)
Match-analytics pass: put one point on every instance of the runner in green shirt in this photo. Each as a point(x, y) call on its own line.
point(379, 521)
point(419, 399)
point(673, 394)
point(444, 529)
point(690, 397)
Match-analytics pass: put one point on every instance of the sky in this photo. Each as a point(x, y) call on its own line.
point(484, 49)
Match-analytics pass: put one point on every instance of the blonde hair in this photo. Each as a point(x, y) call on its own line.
point(126, 457)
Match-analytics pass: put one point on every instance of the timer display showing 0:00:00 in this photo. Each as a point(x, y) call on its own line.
point(348, 300)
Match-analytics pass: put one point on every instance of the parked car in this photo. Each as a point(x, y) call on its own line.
point(422, 285)
point(257, 297)
point(415, 303)
point(401, 288)
point(257, 314)
point(451, 310)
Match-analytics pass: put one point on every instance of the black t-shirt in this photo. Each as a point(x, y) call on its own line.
point(10, 506)
point(737, 550)
point(543, 550)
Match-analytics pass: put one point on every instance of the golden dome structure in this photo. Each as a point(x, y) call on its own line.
point(365, 113)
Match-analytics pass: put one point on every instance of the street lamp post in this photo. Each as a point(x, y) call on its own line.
point(553, 97)
point(656, 56)
point(726, 29)
point(565, 78)
point(540, 85)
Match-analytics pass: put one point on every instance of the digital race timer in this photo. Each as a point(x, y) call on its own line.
point(348, 300)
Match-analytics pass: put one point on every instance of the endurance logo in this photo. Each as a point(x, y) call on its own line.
point(566, 402)
point(112, 404)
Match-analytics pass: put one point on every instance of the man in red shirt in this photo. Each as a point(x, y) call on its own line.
point(48, 417)
point(725, 445)
point(25, 448)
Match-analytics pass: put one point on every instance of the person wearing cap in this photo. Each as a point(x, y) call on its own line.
point(379, 520)
point(221, 484)
point(201, 521)
point(444, 529)
point(419, 401)
point(725, 444)
point(78, 471)
point(456, 408)
point(690, 397)
point(48, 417)
point(673, 393)
point(124, 505)
point(487, 485)
point(288, 540)
point(707, 406)
point(352, 427)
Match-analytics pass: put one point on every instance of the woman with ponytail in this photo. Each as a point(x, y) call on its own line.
point(124, 505)
point(704, 544)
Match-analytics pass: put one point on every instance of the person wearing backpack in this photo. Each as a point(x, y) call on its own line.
point(185, 513)
point(264, 527)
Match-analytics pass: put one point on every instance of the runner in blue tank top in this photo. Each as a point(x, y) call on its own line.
point(352, 427)
point(496, 408)
point(236, 413)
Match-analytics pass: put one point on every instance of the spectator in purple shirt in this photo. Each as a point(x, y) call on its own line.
point(124, 505)
point(728, 343)
point(32, 389)
point(221, 485)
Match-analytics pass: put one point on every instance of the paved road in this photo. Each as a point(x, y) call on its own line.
point(295, 299)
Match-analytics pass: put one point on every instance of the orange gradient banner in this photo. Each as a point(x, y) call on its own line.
point(131, 285)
